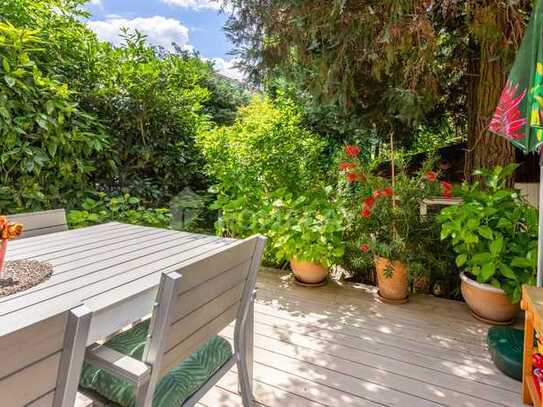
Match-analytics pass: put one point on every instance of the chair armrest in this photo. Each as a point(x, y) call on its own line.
point(118, 364)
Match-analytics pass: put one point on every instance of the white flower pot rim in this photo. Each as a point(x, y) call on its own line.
point(482, 286)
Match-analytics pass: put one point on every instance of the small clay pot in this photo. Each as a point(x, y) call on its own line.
point(308, 273)
point(392, 289)
point(488, 303)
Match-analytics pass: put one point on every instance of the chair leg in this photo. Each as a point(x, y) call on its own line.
point(142, 396)
point(245, 362)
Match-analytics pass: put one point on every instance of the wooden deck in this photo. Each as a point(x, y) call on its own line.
point(338, 346)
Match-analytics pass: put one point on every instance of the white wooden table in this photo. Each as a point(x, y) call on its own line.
point(113, 268)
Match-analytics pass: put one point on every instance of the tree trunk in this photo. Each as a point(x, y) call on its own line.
point(487, 77)
point(485, 150)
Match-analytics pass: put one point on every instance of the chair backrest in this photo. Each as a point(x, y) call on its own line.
point(199, 300)
point(40, 365)
point(41, 223)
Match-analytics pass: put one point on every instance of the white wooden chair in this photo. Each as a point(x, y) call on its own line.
point(41, 223)
point(193, 305)
point(40, 364)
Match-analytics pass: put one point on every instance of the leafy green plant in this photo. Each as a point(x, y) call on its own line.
point(308, 228)
point(494, 233)
point(121, 208)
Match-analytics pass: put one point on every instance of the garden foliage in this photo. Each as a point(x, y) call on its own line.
point(49, 144)
point(269, 172)
point(121, 208)
point(383, 217)
point(78, 115)
point(494, 233)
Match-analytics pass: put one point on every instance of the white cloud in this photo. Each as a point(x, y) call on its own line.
point(227, 68)
point(95, 2)
point(159, 30)
point(196, 4)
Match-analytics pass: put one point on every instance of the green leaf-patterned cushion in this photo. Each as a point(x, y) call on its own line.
point(173, 389)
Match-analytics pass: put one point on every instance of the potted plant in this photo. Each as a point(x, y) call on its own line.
point(307, 231)
point(384, 214)
point(494, 235)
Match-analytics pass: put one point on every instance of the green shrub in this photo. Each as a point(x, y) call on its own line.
point(494, 233)
point(266, 149)
point(79, 115)
point(121, 208)
point(266, 152)
point(49, 145)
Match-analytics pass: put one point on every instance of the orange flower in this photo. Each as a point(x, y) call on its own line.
point(3, 221)
point(14, 230)
point(351, 177)
point(347, 166)
point(388, 192)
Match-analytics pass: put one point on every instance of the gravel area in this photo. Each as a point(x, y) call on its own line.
point(20, 275)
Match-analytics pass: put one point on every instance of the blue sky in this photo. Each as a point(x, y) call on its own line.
point(193, 24)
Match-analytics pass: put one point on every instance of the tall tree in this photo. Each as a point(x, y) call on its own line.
point(392, 63)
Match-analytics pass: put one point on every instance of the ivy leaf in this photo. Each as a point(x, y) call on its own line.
point(496, 247)
point(507, 272)
point(521, 262)
point(481, 258)
point(487, 272)
point(461, 260)
point(486, 232)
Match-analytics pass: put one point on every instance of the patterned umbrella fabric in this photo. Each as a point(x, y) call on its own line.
point(519, 115)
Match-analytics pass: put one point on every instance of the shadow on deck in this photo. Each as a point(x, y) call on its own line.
point(338, 346)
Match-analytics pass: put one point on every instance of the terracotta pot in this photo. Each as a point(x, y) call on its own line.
point(394, 287)
point(308, 272)
point(488, 303)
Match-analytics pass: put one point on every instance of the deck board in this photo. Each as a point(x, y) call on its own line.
point(339, 346)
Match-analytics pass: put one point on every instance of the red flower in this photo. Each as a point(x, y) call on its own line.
point(351, 176)
point(369, 202)
point(431, 176)
point(447, 186)
point(508, 120)
point(447, 189)
point(352, 151)
point(377, 194)
point(364, 248)
point(347, 166)
point(366, 212)
point(388, 192)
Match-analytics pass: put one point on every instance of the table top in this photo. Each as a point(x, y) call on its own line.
point(113, 268)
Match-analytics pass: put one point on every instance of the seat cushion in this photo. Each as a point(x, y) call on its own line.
point(505, 345)
point(174, 388)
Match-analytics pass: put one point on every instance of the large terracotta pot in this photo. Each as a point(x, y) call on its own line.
point(488, 303)
point(393, 288)
point(308, 272)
